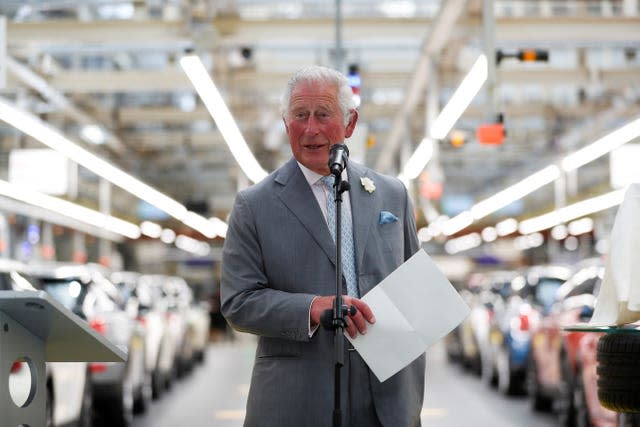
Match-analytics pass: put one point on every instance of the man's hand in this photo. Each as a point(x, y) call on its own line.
point(356, 323)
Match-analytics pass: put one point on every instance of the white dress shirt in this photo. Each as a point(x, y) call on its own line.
point(321, 193)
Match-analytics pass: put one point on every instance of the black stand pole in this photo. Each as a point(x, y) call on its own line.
point(335, 319)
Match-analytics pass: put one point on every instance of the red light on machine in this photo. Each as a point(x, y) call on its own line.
point(490, 134)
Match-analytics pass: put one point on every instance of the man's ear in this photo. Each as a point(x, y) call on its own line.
point(286, 128)
point(353, 118)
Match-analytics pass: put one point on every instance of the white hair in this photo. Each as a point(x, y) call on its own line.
point(320, 74)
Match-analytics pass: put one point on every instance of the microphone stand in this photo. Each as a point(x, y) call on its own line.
point(335, 319)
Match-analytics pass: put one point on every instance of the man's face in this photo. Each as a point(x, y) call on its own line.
point(314, 123)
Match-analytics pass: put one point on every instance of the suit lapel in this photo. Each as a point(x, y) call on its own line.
point(363, 208)
point(299, 199)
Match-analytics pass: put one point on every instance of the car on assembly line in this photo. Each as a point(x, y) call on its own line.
point(489, 290)
point(180, 297)
point(157, 300)
point(68, 386)
point(86, 291)
point(562, 367)
point(530, 293)
point(148, 307)
point(198, 321)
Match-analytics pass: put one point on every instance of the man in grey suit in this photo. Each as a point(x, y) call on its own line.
point(278, 271)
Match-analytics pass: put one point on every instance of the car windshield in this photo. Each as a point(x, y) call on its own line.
point(12, 280)
point(546, 291)
point(68, 292)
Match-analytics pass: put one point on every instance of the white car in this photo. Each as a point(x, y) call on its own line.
point(69, 394)
point(199, 322)
point(85, 290)
point(145, 303)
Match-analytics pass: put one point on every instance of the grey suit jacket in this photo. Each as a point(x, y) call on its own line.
point(278, 254)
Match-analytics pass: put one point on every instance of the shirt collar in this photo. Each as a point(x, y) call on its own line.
point(313, 177)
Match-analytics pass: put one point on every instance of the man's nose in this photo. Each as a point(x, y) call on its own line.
point(312, 124)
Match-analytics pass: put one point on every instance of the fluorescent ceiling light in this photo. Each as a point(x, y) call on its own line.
point(457, 223)
point(463, 243)
point(70, 210)
point(489, 234)
point(571, 162)
point(191, 245)
point(501, 199)
point(568, 213)
point(602, 146)
point(197, 73)
point(449, 115)
point(93, 134)
point(461, 99)
point(580, 226)
point(515, 192)
point(168, 235)
point(418, 159)
point(506, 227)
point(220, 227)
point(46, 134)
point(151, 229)
point(198, 222)
point(36, 128)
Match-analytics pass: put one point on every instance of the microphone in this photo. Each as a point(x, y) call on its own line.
point(338, 156)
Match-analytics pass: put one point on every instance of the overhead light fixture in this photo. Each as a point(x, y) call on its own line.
point(168, 235)
point(93, 134)
point(501, 199)
point(580, 226)
point(220, 227)
point(70, 210)
point(457, 223)
point(515, 192)
point(418, 160)
point(206, 88)
point(151, 229)
point(579, 158)
point(463, 243)
point(461, 99)
point(191, 245)
point(198, 222)
point(51, 137)
point(602, 146)
point(489, 234)
point(36, 128)
point(571, 212)
point(506, 227)
point(447, 118)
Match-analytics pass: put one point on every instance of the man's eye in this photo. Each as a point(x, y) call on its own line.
point(300, 116)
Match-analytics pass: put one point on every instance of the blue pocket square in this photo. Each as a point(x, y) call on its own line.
point(387, 217)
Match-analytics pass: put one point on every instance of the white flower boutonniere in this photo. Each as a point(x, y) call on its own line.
point(368, 184)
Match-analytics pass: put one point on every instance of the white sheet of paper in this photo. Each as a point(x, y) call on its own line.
point(414, 306)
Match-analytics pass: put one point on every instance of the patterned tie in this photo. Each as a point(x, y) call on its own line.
point(347, 244)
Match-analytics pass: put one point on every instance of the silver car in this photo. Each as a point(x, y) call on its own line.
point(86, 291)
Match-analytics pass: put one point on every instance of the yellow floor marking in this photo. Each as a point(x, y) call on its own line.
point(230, 414)
point(433, 412)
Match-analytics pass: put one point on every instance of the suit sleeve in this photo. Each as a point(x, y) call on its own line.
point(248, 302)
point(411, 242)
